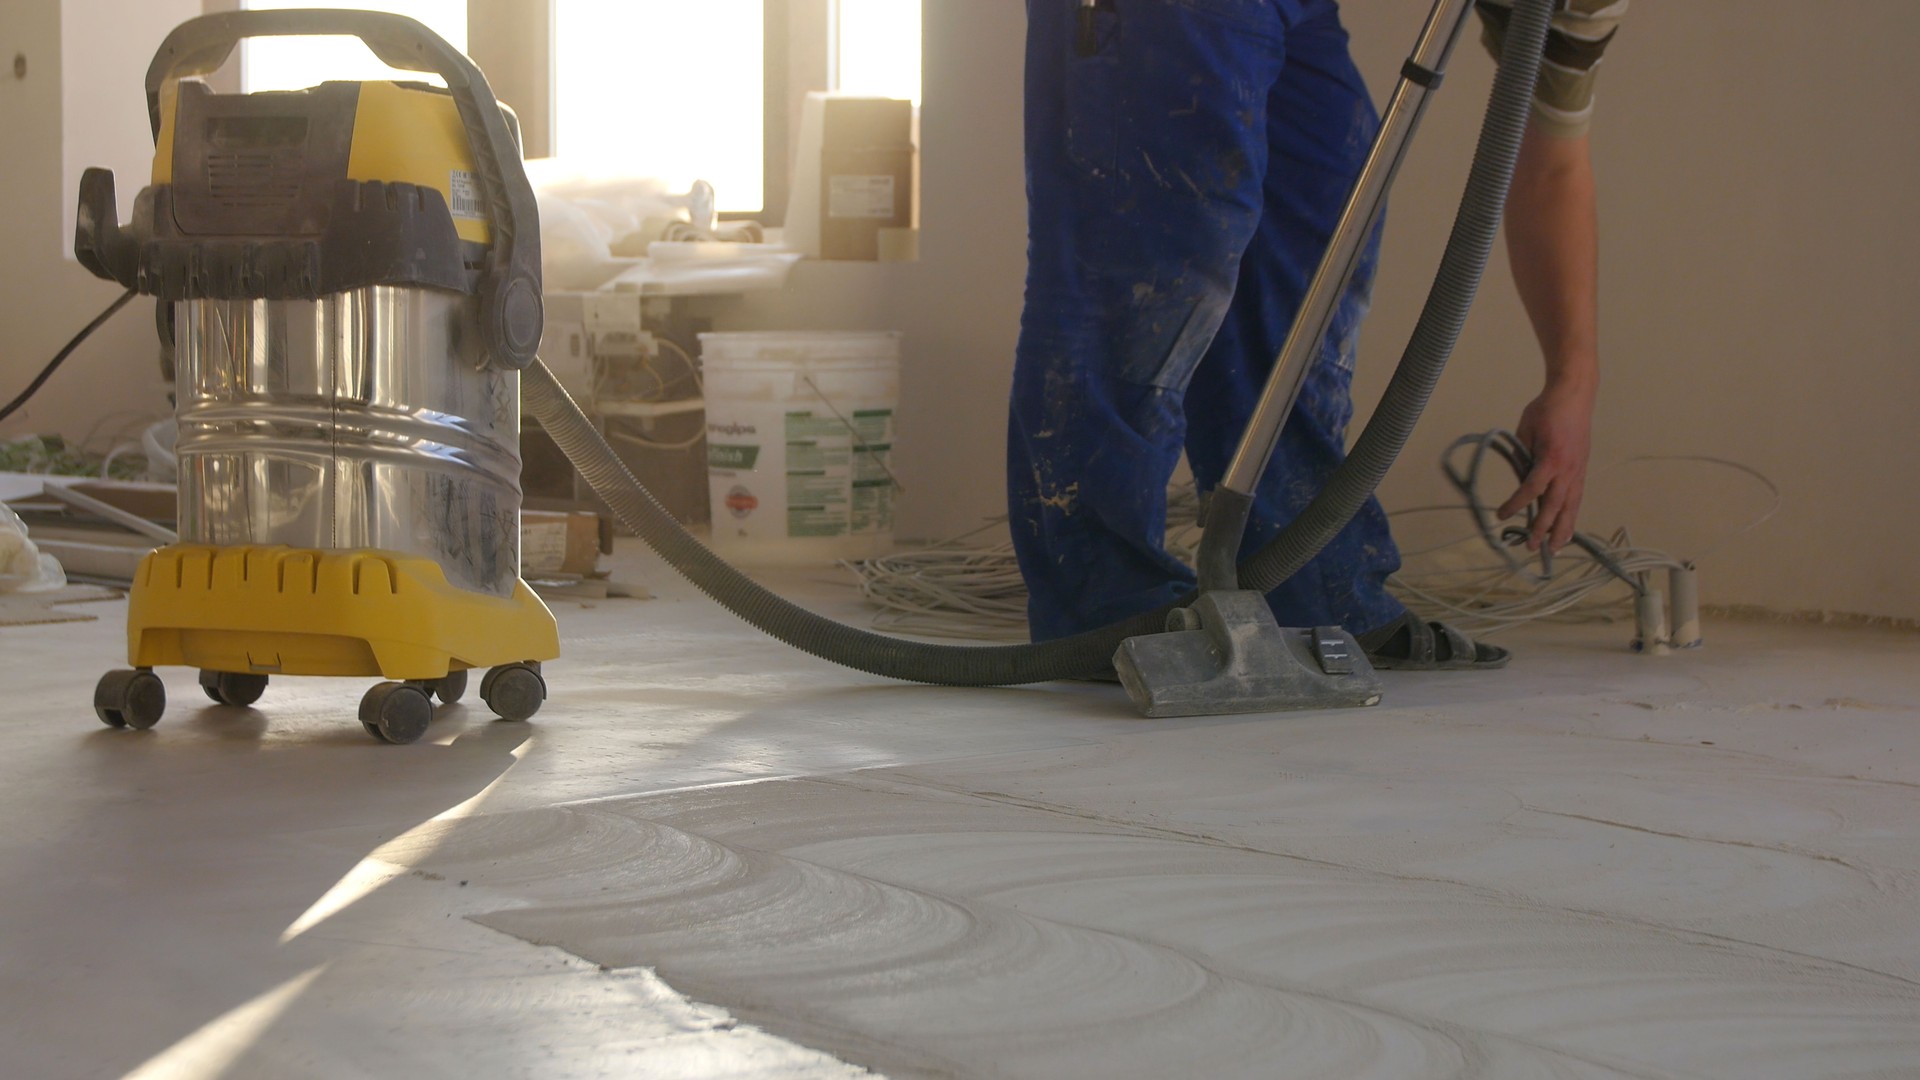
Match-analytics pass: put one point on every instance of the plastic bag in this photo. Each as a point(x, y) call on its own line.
point(23, 567)
point(597, 221)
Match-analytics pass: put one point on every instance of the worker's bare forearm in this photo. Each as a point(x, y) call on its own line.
point(1553, 243)
point(1553, 240)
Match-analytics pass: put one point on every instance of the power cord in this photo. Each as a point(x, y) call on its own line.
point(60, 357)
point(665, 386)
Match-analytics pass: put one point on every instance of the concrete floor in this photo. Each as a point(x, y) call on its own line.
point(711, 856)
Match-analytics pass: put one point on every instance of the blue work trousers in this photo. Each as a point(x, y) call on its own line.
point(1184, 175)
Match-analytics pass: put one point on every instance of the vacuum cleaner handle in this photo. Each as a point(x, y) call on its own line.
point(510, 299)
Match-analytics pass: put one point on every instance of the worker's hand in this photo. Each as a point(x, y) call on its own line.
point(1557, 429)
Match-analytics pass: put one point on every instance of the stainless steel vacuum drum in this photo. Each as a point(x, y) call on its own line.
point(365, 419)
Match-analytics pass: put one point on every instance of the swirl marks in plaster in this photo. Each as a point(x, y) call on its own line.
point(921, 930)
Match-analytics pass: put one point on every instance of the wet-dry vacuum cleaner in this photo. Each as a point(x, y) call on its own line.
point(352, 278)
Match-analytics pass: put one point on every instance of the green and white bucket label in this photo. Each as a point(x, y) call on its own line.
point(799, 471)
point(837, 473)
point(742, 458)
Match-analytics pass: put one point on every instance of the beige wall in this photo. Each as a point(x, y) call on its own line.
point(1760, 271)
point(89, 78)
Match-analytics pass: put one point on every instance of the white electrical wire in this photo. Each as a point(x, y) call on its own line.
point(1773, 490)
point(128, 420)
point(966, 588)
point(158, 440)
point(645, 443)
point(1483, 598)
point(113, 455)
point(1487, 597)
point(160, 463)
point(957, 588)
point(665, 385)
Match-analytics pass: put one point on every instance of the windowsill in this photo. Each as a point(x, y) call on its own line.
point(895, 245)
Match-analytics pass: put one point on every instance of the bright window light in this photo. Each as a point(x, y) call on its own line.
point(664, 88)
point(297, 63)
point(879, 48)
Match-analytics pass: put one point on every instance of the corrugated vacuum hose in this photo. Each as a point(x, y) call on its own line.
point(863, 650)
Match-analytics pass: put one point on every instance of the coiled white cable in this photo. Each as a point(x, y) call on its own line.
point(1485, 597)
point(965, 587)
point(969, 587)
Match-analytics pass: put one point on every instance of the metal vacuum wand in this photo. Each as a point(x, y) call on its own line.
point(1227, 653)
point(1230, 503)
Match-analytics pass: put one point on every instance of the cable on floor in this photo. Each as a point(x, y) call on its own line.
point(970, 588)
point(1595, 579)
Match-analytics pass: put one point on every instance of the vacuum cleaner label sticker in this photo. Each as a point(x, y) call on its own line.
point(465, 200)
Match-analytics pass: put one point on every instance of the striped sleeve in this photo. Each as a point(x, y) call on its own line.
point(1563, 100)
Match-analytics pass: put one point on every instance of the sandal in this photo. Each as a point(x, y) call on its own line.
point(1411, 643)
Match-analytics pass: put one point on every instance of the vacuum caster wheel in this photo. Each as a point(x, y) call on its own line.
point(449, 688)
point(514, 691)
point(229, 688)
point(396, 712)
point(132, 699)
point(452, 688)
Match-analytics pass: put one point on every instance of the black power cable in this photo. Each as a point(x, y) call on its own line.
point(60, 357)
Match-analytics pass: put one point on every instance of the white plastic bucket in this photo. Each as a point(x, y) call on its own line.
point(800, 433)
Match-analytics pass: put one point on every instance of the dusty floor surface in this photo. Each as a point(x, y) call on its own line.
point(712, 857)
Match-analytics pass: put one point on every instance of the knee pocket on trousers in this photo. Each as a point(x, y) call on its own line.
point(1168, 343)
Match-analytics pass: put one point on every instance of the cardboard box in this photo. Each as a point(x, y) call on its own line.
point(866, 174)
point(562, 543)
point(854, 177)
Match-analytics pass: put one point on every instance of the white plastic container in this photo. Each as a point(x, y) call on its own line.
point(800, 432)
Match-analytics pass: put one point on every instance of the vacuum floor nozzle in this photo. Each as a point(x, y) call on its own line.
point(1228, 654)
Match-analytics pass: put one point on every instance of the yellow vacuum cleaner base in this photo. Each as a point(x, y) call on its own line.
point(243, 614)
point(287, 611)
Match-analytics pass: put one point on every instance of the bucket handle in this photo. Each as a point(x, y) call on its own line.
point(859, 443)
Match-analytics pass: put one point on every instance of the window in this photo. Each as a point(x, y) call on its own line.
point(665, 88)
point(297, 63)
point(674, 89)
point(877, 48)
point(682, 91)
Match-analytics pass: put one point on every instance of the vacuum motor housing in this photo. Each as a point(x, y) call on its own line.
point(296, 195)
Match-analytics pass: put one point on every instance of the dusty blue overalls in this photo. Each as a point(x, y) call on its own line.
point(1186, 164)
